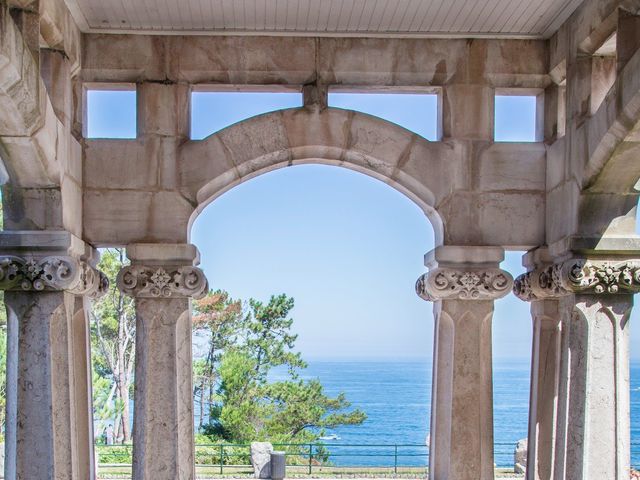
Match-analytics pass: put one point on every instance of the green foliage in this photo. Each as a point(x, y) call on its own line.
point(268, 337)
point(248, 406)
point(229, 454)
point(241, 412)
point(298, 405)
point(103, 405)
point(217, 317)
point(114, 454)
point(113, 345)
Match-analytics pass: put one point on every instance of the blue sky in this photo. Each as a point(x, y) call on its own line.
point(347, 247)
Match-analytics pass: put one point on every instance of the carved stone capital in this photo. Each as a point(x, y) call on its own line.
point(579, 275)
point(162, 282)
point(51, 273)
point(464, 284)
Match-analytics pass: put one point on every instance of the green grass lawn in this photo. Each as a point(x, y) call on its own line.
point(123, 472)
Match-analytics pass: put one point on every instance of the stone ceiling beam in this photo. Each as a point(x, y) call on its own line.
point(587, 28)
point(605, 135)
point(60, 32)
point(329, 61)
point(32, 136)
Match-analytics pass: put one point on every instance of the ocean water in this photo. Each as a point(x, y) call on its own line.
point(396, 396)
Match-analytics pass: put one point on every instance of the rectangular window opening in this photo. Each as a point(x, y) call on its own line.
point(212, 111)
point(110, 112)
point(418, 112)
point(518, 116)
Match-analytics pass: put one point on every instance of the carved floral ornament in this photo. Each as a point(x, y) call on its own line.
point(52, 273)
point(464, 284)
point(158, 282)
point(579, 276)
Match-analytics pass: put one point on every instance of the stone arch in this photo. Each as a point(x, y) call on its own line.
point(426, 172)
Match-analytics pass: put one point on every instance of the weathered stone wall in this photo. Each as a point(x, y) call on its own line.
point(451, 181)
point(329, 61)
point(478, 182)
point(461, 182)
point(575, 191)
point(41, 157)
point(592, 172)
point(590, 140)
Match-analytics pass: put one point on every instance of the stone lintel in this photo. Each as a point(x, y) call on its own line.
point(618, 247)
point(536, 257)
point(45, 242)
point(450, 255)
point(163, 254)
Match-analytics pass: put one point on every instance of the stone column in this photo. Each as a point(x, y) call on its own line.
point(594, 299)
point(42, 430)
point(80, 340)
point(162, 279)
point(545, 361)
point(463, 283)
point(545, 369)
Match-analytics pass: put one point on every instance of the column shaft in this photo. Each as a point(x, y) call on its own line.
point(49, 426)
point(163, 443)
point(592, 299)
point(545, 370)
point(463, 283)
point(462, 398)
point(594, 428)
point(45, 427)
point(82, 388)
point(163, 421)
point(11, 419)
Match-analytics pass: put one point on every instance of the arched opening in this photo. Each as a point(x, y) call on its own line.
point(348, 249)
point(423, 171)
point(419, 169)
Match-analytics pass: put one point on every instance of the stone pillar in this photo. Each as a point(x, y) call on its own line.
point(591, 431)
point(80, 339)
point(463, 283)
point(545, 370)
point(545, 357)
point(162, 279)
point(597, 443)
point(42, 401)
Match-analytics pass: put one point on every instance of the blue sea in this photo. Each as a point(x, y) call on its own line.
point(396, 397)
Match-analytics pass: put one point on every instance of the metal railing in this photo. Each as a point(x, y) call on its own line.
point(302, 457)
point(305, 457)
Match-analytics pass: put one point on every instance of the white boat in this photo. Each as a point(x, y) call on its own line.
point(332, 436)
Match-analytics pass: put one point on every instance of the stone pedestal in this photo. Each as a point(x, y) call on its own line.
point(49, 416)
point(162, 279)
point(463, 282)
point(580, 387)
